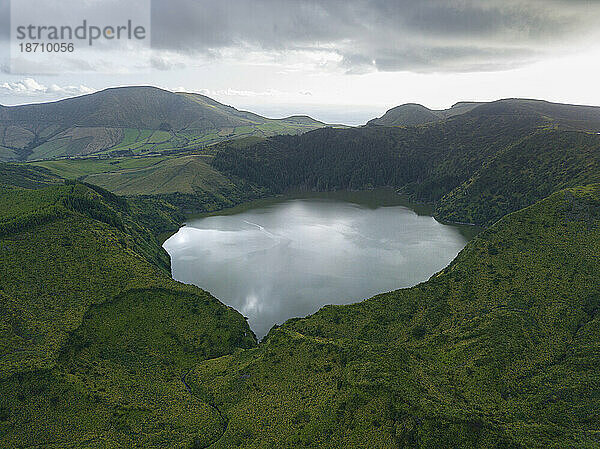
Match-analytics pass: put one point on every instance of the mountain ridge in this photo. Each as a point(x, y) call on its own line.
point(134, 119)
point(572, 116)
point(410, 114)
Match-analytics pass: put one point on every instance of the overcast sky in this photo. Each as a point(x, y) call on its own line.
point(348, 60)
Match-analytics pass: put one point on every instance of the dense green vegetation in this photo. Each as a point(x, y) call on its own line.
point(128, 121)
point(100, 348)
point(95, 336)
point(475, 167)
point(498, 350)
point(524, 173)
point(427, 161)
point(15, 176)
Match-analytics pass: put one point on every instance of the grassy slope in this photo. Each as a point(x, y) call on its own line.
point(135, 120)
point(79, 168)
point(189, 182)
point(182, 174)
point(524, 173)
point(499, 350)
point(95, 336)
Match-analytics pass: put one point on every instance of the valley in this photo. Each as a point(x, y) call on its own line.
point(101, 348)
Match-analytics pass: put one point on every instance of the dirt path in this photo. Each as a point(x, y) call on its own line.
point(222, 417)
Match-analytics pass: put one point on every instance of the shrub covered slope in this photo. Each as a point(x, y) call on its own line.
point(475, 167)
point(499, 350)
point(95, 337)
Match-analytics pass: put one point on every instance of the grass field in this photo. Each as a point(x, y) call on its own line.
point(188, 182)
point(160, 176)
point(145, 141)
point(80, 168)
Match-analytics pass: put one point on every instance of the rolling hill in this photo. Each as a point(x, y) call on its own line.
point(575, 117)
point(412, 114)
point(187, 183)
point(95, 337)
point(130, 120)
point(100, 348)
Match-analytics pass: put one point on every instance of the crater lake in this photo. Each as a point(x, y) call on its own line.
point(287, 257)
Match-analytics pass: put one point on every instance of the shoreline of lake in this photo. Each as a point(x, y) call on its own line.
point(279, 258)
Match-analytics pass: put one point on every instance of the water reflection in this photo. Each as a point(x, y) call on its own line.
point(289, 257)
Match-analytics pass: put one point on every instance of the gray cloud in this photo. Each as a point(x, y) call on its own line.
point(367, 35)
point(386, 35)
point(4, 19)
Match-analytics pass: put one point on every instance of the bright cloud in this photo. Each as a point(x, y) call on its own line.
point(30, 87)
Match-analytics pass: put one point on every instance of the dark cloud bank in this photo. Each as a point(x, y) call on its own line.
point(387, 35)
point(430, 35)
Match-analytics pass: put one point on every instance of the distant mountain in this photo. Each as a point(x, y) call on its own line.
point(130, 120)
point(415, 114)
point(566, 116)
point(583, 118)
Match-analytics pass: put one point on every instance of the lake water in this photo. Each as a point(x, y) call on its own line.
point(283, 258)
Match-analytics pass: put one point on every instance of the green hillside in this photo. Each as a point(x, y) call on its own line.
point(101, 349)
point(411, 114)
point(524, 173)
point(129, 120)
point(96, 339)
point(188, 183)
point(499, 350)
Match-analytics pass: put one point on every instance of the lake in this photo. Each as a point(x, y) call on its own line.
point(287, 257)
